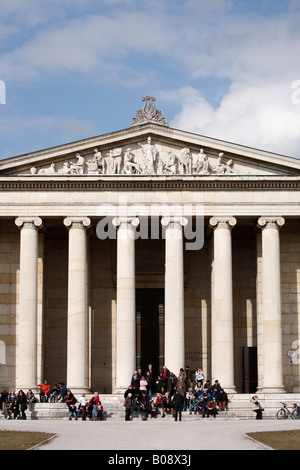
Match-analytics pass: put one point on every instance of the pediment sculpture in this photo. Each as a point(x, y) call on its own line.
point(147, 159)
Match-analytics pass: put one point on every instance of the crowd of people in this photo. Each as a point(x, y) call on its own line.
point(146, 395)
point(14, 406)
point(173, 394)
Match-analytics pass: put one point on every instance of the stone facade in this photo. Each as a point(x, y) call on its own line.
point(74, 303)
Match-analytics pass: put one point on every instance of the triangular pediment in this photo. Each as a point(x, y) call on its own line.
point(150, 150)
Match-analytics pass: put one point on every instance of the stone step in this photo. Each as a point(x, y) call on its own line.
point(239, 407)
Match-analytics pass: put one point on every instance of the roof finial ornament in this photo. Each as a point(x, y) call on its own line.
point(149, 113)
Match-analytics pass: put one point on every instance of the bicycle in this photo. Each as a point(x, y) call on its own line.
point(284, 412)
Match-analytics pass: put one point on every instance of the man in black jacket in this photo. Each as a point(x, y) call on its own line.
point(178, 401)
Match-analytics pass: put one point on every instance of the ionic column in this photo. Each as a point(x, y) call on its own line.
point(28, 302)
point(174, 294)
point(126, 328)
point(271, 310)
point(77, 303)
point(222, 315)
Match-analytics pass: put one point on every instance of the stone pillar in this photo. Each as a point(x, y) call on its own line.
point(222, 315)
point(77, 352)
point(271, 310)
point(126, 310)
point(28, 302)
point(174, 294)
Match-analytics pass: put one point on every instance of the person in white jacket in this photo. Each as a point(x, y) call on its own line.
point(199, 377)
point(82, 406)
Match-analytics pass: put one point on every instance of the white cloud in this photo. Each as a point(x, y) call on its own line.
point(262, 116)
point(94, 45)
point(196, 38)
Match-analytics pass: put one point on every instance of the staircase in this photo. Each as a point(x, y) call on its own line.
point(239, 407)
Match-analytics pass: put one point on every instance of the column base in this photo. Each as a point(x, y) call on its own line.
point(79, 391)
point(229, 389)
point(271, 390)
point(120, 390)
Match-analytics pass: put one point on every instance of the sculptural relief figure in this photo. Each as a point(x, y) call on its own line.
point(114, 161)
point(201, 165)
point(171, 165)
point(129, 166)
point(149, 156)
point(66, 168)
point(222, 168)
point(96, 165)
point(77, 168)
point(185, 161)
point(100, 160)
point(47, 171)
point(159, 165)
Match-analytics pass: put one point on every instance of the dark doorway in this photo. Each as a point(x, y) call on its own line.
point(249, 370)
point(150, 329)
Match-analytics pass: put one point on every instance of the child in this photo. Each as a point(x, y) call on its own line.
point(72, 411)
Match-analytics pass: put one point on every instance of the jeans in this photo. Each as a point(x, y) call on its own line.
point(95, 411)
point(72, 413)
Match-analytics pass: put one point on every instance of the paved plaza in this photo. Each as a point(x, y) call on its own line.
point(151, 435)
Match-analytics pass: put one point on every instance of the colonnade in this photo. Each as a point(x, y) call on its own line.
point(222, 301)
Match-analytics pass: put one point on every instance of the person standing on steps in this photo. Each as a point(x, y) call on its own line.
point(128, 406)
point(178, 404)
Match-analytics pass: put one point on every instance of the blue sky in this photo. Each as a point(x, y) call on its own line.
point(74, 69)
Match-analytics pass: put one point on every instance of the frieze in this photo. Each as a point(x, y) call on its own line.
point(27, 183)
point(146, 159)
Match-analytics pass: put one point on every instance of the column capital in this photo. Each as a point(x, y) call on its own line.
point(174, 222)
point(118, 221)
point(29, 222)
point(270, 222)
point(222, 222)
point(77, 222)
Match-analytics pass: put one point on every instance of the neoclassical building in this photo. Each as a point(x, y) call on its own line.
point(150, 245)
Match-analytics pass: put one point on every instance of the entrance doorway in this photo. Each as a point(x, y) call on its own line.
point(250, 380)
point(150, 329)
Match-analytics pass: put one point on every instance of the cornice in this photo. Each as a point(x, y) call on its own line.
point(189, 183)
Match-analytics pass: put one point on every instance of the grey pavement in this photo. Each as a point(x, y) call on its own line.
point(151, 435)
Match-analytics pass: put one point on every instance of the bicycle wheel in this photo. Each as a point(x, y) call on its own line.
point(281, 414)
